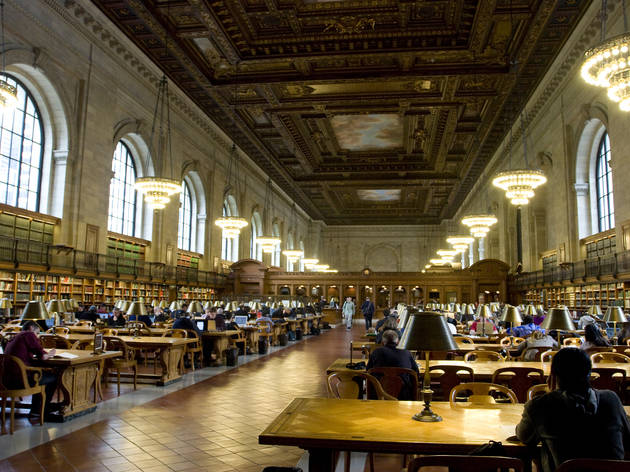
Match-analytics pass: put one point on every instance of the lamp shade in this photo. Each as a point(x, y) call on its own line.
point(5, 304)
point(427, 331)
point(457, 308)
point(56, 306)
point(66, 305)
point(595, 310)
point(511, 314)
point(163, 304)
point(470, 309)
point(558, 318)
point(531, 310)
point(484, 311)
point(174, 306)
point(124, 306)
point(136, 308)
point(194, 307)
point(615, 313)
point(35, 310)
point(154, 303)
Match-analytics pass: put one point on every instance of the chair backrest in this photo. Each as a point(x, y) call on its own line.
point(609, 357)
point(451, 376)
point(264, 326)
point(537, 390)
point(116, 344)
point(547, 356)
point(608, 378)
point(109, 332)
point(9, 368)
point(397, 381)
point(596, 349)
point(572, 342)
point(467, 463)
point(511, 341)
point(593, 465)
point(83, 344)
point(482, 393)
point(58, 330)
point(137, 325)
point(53, 341)
point(519, 379)
point(464, 340)
point(84, 323)
point(11, 329)
point(473, 356)
point(350, 385)
point(533, 353)
point(175, 333)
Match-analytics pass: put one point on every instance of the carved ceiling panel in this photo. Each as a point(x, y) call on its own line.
point(363, 111)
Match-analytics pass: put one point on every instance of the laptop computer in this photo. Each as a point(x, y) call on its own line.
point(241, 320)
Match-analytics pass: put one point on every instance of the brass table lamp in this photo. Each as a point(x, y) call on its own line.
point(194, 307)
point(36, 310)
point(511, 315)
point(530, 310)
point(427, 331)
point(595, 311)
point(616, 315)
point(174, 306)
point(558, 318)
point(484, 312)
point(57, 307)
point(163, 304)
point(136, 308)
point(6, 305)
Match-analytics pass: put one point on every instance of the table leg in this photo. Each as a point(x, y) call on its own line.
point(76, 383)
point(321, 460)
point(170, 358)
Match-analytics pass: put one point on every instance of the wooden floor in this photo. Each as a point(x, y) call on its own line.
point(211, 426)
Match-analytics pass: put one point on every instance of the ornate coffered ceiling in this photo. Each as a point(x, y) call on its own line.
point(364, 111)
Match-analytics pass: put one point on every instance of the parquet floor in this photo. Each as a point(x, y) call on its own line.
point(211, 426)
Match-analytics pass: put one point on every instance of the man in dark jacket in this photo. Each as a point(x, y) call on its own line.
point(368, 312)
point(390, 356)
point(574, 421)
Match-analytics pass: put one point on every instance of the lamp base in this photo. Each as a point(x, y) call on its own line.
point(427, 416)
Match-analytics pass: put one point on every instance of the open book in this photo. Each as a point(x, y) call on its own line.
point(66, 355)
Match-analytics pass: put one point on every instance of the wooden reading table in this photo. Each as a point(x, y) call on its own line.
point(77, 374)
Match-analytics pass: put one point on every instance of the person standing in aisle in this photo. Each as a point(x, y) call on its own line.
point(368, 312)
point(348, 311)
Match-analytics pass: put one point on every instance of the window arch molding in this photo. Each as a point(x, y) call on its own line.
point(52, 106)
point(198, 209)
point(588, 142)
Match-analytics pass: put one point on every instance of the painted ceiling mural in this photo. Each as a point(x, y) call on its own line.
point(343, 102)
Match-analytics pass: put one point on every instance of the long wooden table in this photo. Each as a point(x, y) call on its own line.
point(220, 342)
point(323, 426)
point(483, 370)
point(77, 377)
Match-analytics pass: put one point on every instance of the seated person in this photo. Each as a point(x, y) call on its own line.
point(146, 319)
point(184, 322)
point(27, 347)
point(536, 339)
point(212, 313)
point(574, 421)
point(539, 318)
point(230, 325)
point(90, 315)
point(390, 356)
point(266, 318)
point(593, 337)
point(585, 320)
point(160, 316)
point(390, 323)
point(624, 334)
point(387, 315)
point(483, 326)
point(117, 318)
point(526, 328)
point(451, 322)
point(288, 313)
point(278, 312)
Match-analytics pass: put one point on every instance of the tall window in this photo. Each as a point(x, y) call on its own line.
point(122, 194)
point(184, 228)
point(227, 244)
point(275, 255)
point(605, 204)
point(255, 250)
point(301, 246)
point(21, 150)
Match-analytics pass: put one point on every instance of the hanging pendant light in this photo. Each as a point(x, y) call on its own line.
point(460, 243)
point(447, 254)
point(309, 262)
point(479, 224)
point(268, 241)
point(607, 64)
point(8, 92)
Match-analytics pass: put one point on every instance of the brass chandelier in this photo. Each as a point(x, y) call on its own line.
point(158, 190)
point(479, 224)
point(607, 64)
point(460, 243)
point(230, 225)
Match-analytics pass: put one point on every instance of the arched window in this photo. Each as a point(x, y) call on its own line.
point(122, 194)
point(275, 255)
point(605, 204)
point(290, 245)
point(185, 225)
point(21, 151)
point(255, 250)
point(301, 247)
point(229, 246)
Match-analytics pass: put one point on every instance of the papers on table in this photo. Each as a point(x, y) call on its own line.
point(66, 355)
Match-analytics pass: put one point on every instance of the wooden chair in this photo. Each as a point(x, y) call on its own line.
point(60, 330)
point(515, 341)
point(265, 330)
point(481, 394)
point(237, 339)
point(136, 325)
point(609, 358)
point(391, 378)
point(537, 390)
point(350, 385)
point(109, 332)
point(464, 340)
point(451, 376)
point(538, 350)
point(519, 379)
point(175, 333)
point(83, 344)
point(572, 342)
point(473, 356)
point(547, 356)
point(194, 348)
point(53, 341)
point(125, 361)
point(86, 323)
point(27, 387)
point(593, 465)
point(467, 463)
point(597, 349)
point(609, 378)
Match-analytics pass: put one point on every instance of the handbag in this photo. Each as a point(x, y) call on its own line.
point(491, 448)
